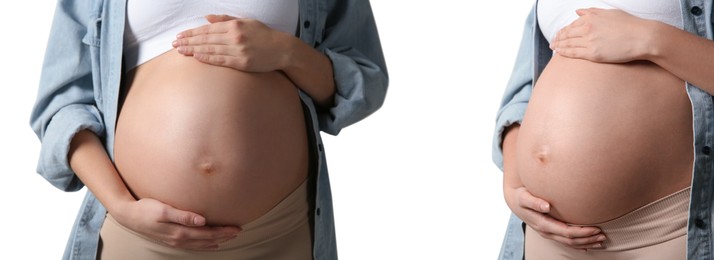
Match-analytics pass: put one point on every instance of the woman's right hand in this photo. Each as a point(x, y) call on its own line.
point(533, 210)
point(171, 226)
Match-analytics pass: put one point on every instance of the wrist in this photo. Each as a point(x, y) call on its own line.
point(121, 208)
point(290, 49)
point(655, 39)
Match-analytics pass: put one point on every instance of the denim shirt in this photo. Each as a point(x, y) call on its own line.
point(80, 85)
point(534, 54)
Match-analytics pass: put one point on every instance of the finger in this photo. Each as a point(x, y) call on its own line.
point(576, 47)
point(557, 230)
point(566, 43)
point(581, 231)
point(204, 29)
point(574, 52)
point(220, 60)
point(198, 237)
point(211, 50)
point(586, 11)
point(185, 218)
point(208, 48)
point(594, 242)
point(527, 200)
point(201, 40)
point(576, 29)
point(554, 226)
point(216, 18)
point(191, 50)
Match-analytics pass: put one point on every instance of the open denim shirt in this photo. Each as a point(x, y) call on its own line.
point(80, 86)
point(534, 54)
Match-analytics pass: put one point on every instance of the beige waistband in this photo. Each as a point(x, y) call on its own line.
point(656, 222)
point(282, 233)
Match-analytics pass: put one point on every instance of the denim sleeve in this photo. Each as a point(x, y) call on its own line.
point(65, 99)
point(518, 90)
point(351, 42)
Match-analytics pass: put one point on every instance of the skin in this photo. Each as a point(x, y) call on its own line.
point(241, 44)
point(608, 36)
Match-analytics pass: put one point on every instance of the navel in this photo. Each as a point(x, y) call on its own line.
point(207, 166)
point(542, 154)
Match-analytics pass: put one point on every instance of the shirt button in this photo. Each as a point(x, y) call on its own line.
point(696, 11)
point(306, 24)
point(317, 211)
point(706, 150)
point(700, 223)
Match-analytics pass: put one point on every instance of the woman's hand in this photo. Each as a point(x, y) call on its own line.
point(604, 35)
point(251, 46)
point(241, 44)
point(171, 226)
point(534, 212)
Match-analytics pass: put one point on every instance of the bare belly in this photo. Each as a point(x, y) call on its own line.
point(216, 141)
point(600, 140)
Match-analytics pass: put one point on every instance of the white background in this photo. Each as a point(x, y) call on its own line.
point(413, 181)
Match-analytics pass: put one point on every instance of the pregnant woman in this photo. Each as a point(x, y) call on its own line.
point(195, 124)
point(602, 141)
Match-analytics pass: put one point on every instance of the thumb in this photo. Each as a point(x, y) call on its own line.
point(527, 200)
point(185, 218)
point(216, 18)
point(584, 11)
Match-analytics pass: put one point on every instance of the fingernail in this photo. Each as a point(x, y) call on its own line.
point(598, 245)
point(545, 207)
point(597, 231)
point(181, 49)
point(179, 36)
point(198, 221)
point(600, 238)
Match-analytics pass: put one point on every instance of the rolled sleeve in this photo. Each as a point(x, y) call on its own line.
point(53, 162)
point(352, 44)
point(360, 90)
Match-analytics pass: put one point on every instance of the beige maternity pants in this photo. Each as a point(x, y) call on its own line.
point(282, 233)
point(655, 231)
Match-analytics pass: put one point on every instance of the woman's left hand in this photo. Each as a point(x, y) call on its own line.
point(242, 44)
point(603, 35)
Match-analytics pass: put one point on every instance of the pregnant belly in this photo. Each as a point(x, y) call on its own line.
point(219, 142)
point(600, 140)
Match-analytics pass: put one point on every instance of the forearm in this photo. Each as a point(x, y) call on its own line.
point(511, 179)
point(685, 55)
point(311, 71)
point(91, 163)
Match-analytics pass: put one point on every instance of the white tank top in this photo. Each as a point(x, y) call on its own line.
point(553, 15)
point(152, 25)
